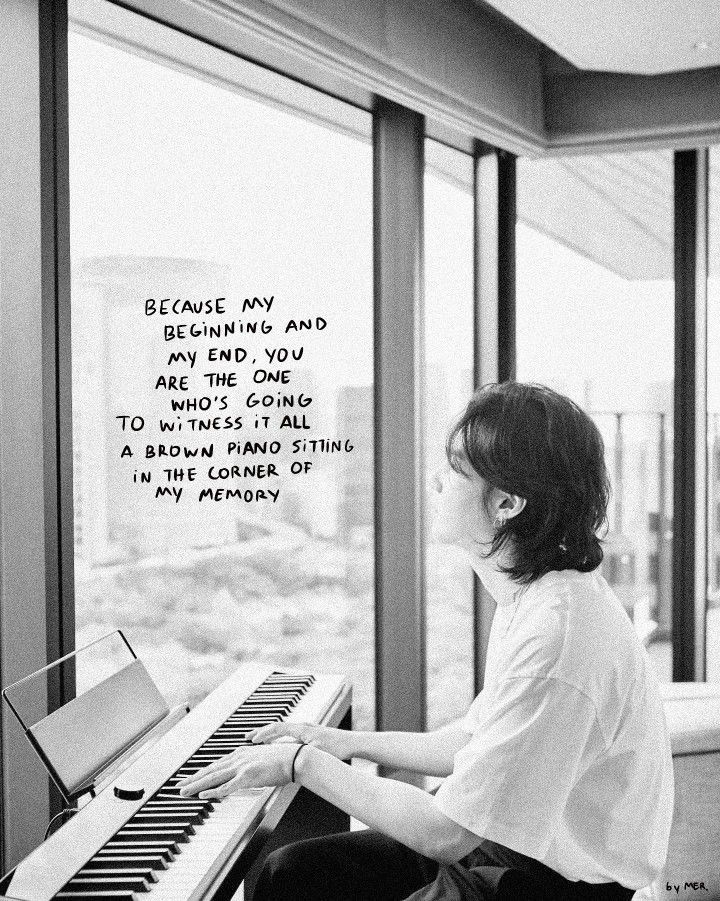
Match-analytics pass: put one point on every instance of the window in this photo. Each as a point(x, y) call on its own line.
point(449, 314)
point(595, 318)
point(191, 182)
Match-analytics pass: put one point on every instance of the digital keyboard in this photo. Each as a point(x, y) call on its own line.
point(163, 847)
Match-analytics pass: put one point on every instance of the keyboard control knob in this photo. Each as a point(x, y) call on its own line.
point(128, 794)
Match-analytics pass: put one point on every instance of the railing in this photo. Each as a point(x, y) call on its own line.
point(638, 553)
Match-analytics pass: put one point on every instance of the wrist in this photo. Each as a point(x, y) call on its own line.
point(357, 744)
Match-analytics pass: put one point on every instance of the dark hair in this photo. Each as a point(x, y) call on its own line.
point(529, 440)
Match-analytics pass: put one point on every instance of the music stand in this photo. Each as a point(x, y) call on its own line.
point(79, 741)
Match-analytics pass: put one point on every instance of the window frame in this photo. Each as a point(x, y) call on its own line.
point(691, 465)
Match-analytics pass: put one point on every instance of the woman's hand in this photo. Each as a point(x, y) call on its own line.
point(243, 768)
point(338, 742)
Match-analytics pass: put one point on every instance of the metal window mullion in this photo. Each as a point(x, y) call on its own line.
point(494, 339)
point(507, 220)
point(398, 138)
point(690, 462)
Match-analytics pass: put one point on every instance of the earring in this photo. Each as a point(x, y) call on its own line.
point(499, 522)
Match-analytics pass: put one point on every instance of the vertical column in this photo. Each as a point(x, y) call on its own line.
point(690, 416)
point(35, 497)
point(495, 213)
point(399, 481)
point(507, 218)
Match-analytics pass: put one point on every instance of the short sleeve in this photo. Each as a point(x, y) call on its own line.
point(533, 740)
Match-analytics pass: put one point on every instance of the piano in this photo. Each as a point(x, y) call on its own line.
point(162, 847)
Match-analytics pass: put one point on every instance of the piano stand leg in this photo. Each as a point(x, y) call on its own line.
point(307, 817)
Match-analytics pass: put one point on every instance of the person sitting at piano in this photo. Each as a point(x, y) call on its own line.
point(559, 778)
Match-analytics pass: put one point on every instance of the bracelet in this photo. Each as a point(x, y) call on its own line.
point(295, 757)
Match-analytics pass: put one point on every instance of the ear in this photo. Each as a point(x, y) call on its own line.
point(510, 505)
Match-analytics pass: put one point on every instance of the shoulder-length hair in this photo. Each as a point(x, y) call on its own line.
point(529, 440)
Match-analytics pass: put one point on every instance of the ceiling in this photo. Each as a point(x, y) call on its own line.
point(616, 210)
point(631, 36)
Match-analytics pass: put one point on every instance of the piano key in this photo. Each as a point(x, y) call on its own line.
point(223, 744)
point(131, 883)
point(168, 818)
point(127, 875)
point(168, 851)
point(134, 848)
point(181, 833)
point(178, 807)
point(107, 895)
point(119, 861)
point(254, 705)
point(177, 835)
point(253, 723)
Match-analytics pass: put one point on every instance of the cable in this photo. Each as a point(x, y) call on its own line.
point(70, 810)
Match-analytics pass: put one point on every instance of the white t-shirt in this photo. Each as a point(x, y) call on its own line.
point(569, 761)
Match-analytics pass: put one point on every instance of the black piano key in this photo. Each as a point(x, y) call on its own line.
point(120, 862)
point(223, 738)
point(246, 723)
point(167, 817)
point(212, 749)
point(169, 793)
point(169, 829)
point(214, 754)
point(180, 836)
point(242, 721)
point(175, 803)
point(167, 849)
point(140, 883)
point(193, 810)
point(110, 895)
point(266, 705)
point(156, 860)
point(230, 732)
point(132, 872)
point(174, 810)
point(217, 748)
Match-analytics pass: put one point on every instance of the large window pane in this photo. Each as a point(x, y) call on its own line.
point(449, 380)
point(193, 181)
point(595, 321)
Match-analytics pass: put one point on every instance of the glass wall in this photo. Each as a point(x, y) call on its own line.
point(222, 364)
point(595, 285)
point(713, 400)
point(448, 337)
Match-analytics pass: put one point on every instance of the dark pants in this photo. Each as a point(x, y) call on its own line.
point(368, 866)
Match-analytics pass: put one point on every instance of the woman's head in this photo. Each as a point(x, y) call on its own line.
point(544, 485)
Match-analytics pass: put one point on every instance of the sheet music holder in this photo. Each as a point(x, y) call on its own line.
point(81, 742)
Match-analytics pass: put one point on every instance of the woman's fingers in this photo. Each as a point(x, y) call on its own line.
point(275, 730)
point(221, 764)
point(204, 780)
point(226, 789)
point(264, 733)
